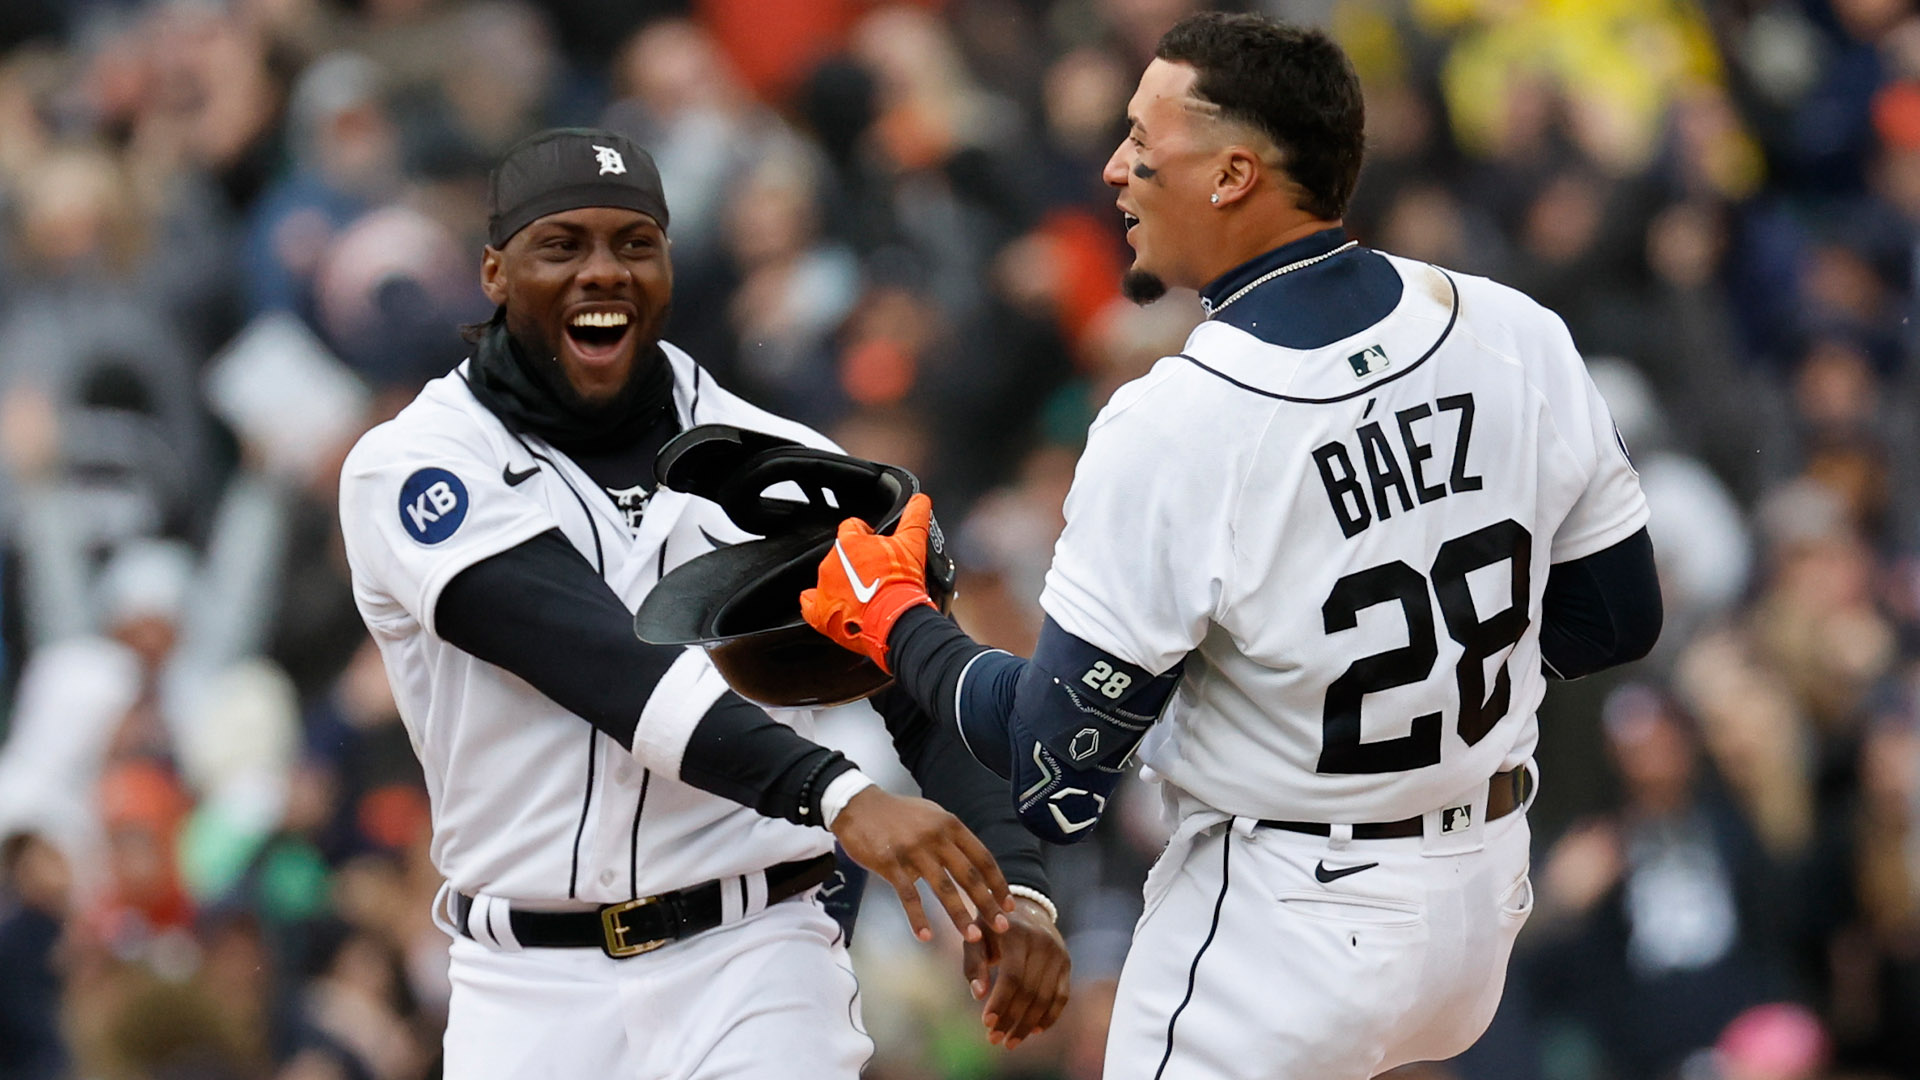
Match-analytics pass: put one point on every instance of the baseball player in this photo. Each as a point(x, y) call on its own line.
point(1322, 562)
point(633, 853)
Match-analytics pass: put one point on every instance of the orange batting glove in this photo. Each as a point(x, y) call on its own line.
point(868, 581)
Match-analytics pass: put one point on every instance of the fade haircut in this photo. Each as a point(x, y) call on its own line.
point(1292, 84)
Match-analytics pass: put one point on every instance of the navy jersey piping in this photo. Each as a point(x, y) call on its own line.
point(633, 841)
point(1453, 317)
point(586, 804)
point(1193, 972)
point(599, 553)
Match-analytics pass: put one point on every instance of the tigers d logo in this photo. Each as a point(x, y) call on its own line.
point(609, 159)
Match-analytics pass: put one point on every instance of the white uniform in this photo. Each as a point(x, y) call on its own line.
point(533, 808)
point(1339, 541)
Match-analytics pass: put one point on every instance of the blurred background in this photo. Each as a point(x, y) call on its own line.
point(236, 233)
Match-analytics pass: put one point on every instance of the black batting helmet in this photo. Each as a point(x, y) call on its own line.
point(742, 602)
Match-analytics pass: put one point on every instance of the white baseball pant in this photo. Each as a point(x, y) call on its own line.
point(771, 997)
point(1245, 967)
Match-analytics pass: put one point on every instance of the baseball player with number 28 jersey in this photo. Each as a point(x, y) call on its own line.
point(1316, 572)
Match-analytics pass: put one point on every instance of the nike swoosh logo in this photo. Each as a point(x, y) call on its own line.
point(1323, 875)
point(515, 479)
point(862, 591)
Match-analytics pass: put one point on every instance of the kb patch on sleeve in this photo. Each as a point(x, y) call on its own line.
point(433, 503)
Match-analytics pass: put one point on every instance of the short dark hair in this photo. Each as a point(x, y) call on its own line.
point(1292, 83)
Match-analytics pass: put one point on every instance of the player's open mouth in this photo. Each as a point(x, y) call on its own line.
point(1129, 221)
point(598, 335)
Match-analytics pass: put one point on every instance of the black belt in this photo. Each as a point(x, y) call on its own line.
point(641, 925)
point(1506, 792)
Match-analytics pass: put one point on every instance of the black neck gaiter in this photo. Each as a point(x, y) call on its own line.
point(534, 398)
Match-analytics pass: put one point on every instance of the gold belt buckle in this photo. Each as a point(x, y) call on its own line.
point(615, 931)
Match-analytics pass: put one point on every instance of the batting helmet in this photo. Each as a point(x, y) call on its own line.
point(742, 602)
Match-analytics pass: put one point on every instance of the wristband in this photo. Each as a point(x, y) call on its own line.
point(808, 800)
point(840, 791)
point(1038, 897)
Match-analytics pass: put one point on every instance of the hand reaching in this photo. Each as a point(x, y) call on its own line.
point(907, 841)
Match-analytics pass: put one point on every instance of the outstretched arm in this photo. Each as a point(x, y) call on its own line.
point(540, 611)
point(1060, 727)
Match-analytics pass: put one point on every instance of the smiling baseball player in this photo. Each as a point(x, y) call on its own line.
point(632, 851)
point(1322, 562)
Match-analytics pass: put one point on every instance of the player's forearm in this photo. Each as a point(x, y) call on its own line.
point(738, 752)
point(950, 776)
point(967, 687)
point(1060, 727)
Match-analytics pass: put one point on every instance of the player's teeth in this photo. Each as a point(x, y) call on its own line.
point(600, 318)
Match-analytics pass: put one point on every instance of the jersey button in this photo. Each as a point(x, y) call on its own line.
point(624, 774)
point(606, 877)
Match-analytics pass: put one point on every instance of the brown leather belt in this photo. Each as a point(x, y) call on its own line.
point(1506, 792)
point(645, 923)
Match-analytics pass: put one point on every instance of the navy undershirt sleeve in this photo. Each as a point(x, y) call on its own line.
point(949, 776)
point(927, 652)
point(1602, 610)
point(539, 610)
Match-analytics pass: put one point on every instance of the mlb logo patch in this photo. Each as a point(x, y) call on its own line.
point(1455, 818)
point(1367, 361)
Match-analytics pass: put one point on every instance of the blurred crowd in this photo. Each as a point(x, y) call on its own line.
point(236, 233)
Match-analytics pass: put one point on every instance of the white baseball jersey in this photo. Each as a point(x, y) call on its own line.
point(530, 803)
point(1348, 545)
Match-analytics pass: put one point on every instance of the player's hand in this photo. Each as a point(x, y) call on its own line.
point(868, 580)
point(1024, 973)
point(907, 841)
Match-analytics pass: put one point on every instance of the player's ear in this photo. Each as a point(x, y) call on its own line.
point(492, 280)
point(1239, 170)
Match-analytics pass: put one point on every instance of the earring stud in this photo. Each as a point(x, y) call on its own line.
point(1214, 198)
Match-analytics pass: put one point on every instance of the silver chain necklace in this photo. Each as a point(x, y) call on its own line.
point(1213, 309)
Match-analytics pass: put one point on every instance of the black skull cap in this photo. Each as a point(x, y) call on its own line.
point(566, 169)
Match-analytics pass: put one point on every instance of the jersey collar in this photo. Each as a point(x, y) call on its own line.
point(1308, 294)
point(1320, 243)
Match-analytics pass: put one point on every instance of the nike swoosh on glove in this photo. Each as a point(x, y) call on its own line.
point(869, 580)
